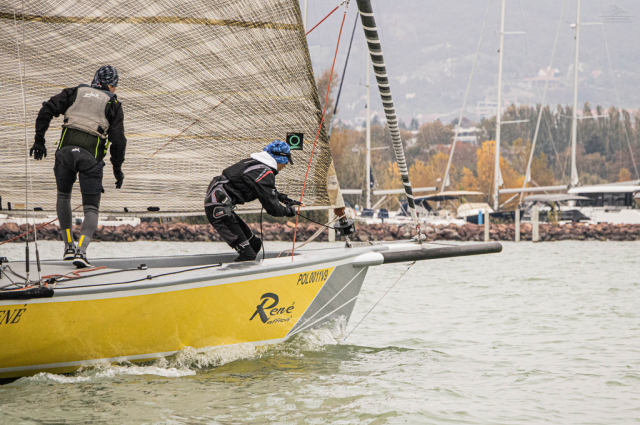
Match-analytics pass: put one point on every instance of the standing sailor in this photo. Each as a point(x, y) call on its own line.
point(93, 122)
point(250, 179)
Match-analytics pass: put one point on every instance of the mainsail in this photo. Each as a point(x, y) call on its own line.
point(203, 84)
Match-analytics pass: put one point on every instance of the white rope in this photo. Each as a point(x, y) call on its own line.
point(315, 235)
point(544, 97)
point(464, 102)
point(374, 306)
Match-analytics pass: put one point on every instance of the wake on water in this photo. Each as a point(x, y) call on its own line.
point(189, 361)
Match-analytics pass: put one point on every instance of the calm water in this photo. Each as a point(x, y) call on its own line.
point(545, 333)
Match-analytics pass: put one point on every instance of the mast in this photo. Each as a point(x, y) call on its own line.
point(497, 174)
point(574, 118)
point(375, 51)
point(527, 175)
point(306, 13)
point(368, 142)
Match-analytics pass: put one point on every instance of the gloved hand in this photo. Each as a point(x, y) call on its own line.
point(291, 212)
point(38, 151)
point(291, 202)
point(119, 175)
point(288, 201)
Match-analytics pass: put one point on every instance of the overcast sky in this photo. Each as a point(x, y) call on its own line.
point(429, 47)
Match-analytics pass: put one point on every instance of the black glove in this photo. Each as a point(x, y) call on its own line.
point(119, 177)
point(38, 151)
point(292, 202)
point(287, 201)
point(291, 212)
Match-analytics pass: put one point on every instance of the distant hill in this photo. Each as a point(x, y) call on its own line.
point(429, 47)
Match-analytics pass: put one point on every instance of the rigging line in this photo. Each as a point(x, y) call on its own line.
point(191, 125)
point(615, 88)
point(76, 274)
point(7, 267)
point(324, 110)
point(10, 280)
point(261, 234)
point(323, 19)
point(307, 323)
point(440, 244)
point(344, 71)
point(61, 278)
point(544, 98)
point(374, 306)
point(526, 42)
point(312, 238)
point(464, 102)
point(30, 179)
point(149, 277)
point(553, 142)
point(4, 273)
point(38, 228)
point(313, 221)
point(27, 168)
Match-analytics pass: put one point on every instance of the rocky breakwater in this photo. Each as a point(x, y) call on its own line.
point(181, 232)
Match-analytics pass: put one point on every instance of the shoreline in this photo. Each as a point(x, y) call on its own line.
point(181, 232)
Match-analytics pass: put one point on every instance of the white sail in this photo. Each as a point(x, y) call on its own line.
point(203, 84)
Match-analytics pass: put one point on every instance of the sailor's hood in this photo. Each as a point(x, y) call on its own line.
point(266, 159)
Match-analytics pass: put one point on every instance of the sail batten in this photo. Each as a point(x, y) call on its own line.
point(150, 20)
point(203, 84)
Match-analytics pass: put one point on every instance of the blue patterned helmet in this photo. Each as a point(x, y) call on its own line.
point(280, 151)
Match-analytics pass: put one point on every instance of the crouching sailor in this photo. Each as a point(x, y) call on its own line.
point(93, 123)
point(248, 180)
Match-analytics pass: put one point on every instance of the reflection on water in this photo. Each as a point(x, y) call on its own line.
point(539, 333)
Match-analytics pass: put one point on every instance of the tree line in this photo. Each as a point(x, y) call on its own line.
point(608, 144)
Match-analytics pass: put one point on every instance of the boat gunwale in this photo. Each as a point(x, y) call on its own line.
point(226, 275)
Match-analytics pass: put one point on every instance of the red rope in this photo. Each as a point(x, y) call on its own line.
point(75, 273)
point(30, 231)
point(324, 110)
point(36, 229)
point(330, 13)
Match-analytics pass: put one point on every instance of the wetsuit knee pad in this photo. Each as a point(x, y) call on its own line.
point(91, 200)
point(64, 195)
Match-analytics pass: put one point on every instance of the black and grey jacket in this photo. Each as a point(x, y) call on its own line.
point(59, 104)
point(255, 178)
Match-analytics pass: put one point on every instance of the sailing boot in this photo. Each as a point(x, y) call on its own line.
point(80, 260)
point(256, 243)
point(65, 215)
point(90, 204)
point(80, 257)
point(246, 253)
point(69, 244)
point(69, 252)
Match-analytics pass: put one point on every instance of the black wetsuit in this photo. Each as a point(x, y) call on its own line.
point(88, 165)
point(80, 154)
point(243, 182)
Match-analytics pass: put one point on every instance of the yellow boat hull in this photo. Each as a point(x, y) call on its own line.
point(60, 334)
